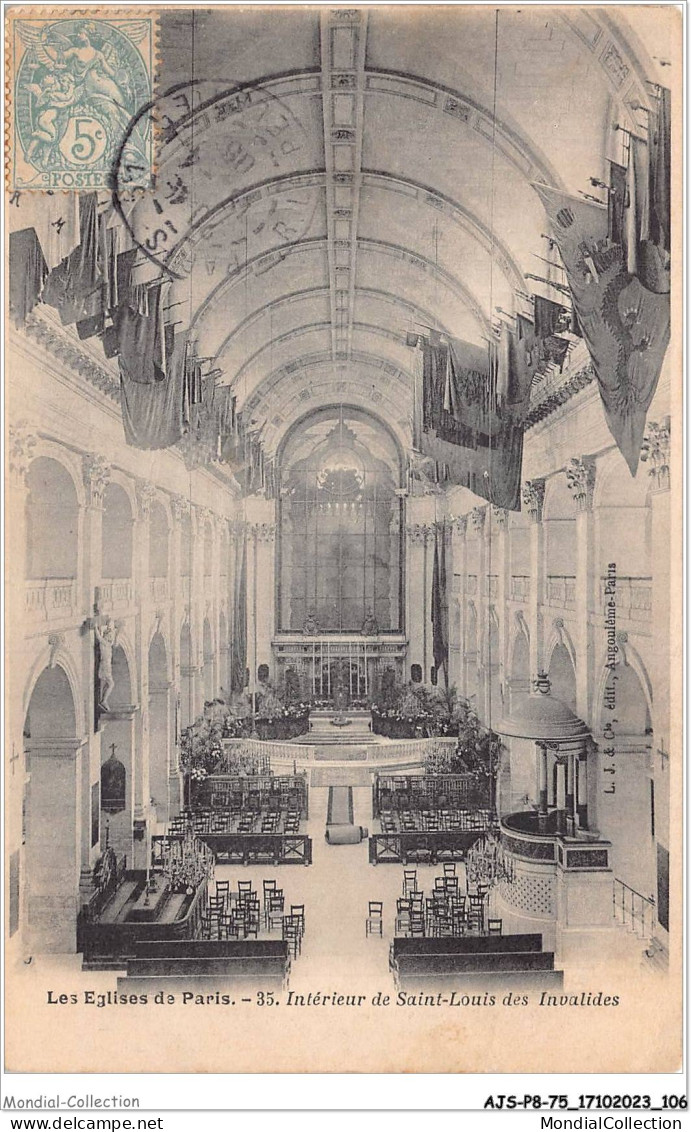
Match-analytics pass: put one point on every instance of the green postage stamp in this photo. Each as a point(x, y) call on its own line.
point(77, 85)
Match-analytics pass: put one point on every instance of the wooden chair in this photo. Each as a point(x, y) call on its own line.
point(298, 912)
point(494, 926)
point(274, 911)
point(409, 881)
point(374, 923)
point(449, 868)
point(291, 934)
point(403, 908)
point(245, 889)
point(417, 924)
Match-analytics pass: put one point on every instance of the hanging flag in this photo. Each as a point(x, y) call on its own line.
point(440, 619)
point(625, 326)
point(54, 218)
point(238, 640)
point(660, 141)
point(480, 442)
point(74, 287)
point(152, 414)
point(27, 274)
point(616, 202)
point(548, 316)
point(141, 337)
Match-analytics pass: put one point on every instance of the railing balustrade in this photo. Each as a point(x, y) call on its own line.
point(158, 589)
point(633, 596)
point(50, 597)
point(561, 590)
point(520, 587)
point(633, 910)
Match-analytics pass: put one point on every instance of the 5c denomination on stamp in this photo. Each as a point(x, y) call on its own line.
point(75, 82)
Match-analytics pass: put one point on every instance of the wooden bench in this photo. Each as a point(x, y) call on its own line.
point(479, 981)
point(464, 945)
point(264, 960)
point(481, 961)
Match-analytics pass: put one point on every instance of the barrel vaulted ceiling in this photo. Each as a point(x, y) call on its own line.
point(406, 187)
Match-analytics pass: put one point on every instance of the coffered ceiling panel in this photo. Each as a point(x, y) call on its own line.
point(378, 182)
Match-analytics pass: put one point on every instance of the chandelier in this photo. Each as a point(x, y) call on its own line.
point(187, 861)
point(487, 863)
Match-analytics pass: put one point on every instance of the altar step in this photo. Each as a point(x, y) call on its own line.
point(345, 729)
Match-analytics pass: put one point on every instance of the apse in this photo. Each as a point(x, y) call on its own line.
point(340, 526)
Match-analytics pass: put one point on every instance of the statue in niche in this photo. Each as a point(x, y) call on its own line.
point(107, 637)
point(113, 784)
point(370, 628)
point(311, 625)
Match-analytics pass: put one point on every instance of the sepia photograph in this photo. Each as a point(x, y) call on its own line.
point(343, 539)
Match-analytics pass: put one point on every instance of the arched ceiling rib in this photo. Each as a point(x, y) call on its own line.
point(416, 148)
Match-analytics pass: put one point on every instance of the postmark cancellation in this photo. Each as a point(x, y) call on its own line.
point(75, 79)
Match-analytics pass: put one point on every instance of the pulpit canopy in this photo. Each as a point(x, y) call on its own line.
point(539, 716)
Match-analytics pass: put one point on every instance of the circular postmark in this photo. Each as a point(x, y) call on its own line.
point(78, 83)
point(230, 182)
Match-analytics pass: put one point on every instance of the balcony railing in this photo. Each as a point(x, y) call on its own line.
point(561, 590)
point(158, 589)
point(185, 585)
point(520, 587)
point(471, 586)
point(633, 597)
point(45, 598)
point(117, 592)
point(492, 585)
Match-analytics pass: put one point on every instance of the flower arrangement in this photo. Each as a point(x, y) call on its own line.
point(477, 753)
point(411, 711)
point(277, 716)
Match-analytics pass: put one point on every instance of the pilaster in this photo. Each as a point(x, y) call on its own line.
point(580, 478)
point(533, 500)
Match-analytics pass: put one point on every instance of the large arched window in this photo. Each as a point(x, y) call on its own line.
point(340, 525)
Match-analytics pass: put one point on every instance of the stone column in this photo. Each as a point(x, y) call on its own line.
point(163, 773)
point(457, 639)
point(141, 756)
point(21, 450)
point(666, 743)
point(479, 527)
point(54, 837)
point(499, 567)
point(582, 790)
point(197, 612)
point(96, 477)
point(177, 611)
point(561, 795)
point(260, 514)
point(533, 499)
point(542, 786)
point(580, 478)
point(570, 800)
point(419, 536)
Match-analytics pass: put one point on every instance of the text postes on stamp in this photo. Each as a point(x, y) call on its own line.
point(75, 85)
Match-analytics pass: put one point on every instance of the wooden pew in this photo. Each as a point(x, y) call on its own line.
point(464, 945)
point(464, 982)
point(481, 961)
point(166, 961)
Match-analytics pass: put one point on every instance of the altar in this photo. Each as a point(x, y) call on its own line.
point(133, 914)
point(338, 669)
